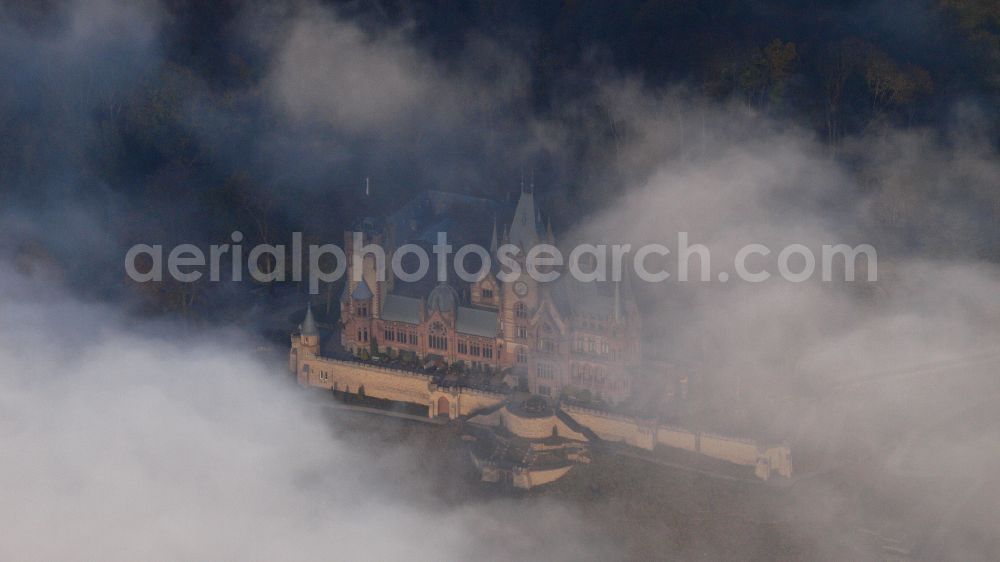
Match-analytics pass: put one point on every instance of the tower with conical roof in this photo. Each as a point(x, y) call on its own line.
point(309, 333)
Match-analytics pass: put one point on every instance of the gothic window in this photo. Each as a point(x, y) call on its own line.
point(522, 355)
point(545, 371)
point(487, 351)
point(413, 339)
point(463, 347)
point(546, 345)
point(522, 333)
point(438, 338)
point(520, 310)
point(401, 336)
point(388, 335)
point(474, 348)
point(487, 293)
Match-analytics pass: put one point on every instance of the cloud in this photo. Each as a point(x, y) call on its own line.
point(879, 383)
point(130, 441)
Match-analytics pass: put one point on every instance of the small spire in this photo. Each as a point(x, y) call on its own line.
point(309, 324)
point(493, 238)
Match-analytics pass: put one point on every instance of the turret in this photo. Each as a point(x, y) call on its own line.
point(493, 239)
point(309, 333)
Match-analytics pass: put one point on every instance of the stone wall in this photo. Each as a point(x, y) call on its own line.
point(677, 437)
point(646, 435)
point(405, 386)
point(730, 449)
point(470, 400)
point(378, 382)
point(537, 427)
point(611, 427)
point(532, 477)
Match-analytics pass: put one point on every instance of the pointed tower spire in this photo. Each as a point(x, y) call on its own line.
point(493, 238)
point(524, 226)
point(309, 324)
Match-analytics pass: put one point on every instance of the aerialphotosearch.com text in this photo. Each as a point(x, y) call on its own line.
point(326, 263)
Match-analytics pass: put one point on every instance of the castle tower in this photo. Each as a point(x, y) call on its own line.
point(520, 299)
point(309, 333)
point(371, 234)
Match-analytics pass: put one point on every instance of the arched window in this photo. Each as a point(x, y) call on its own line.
point(520, 310)
point(438, 338)
point(522, 355)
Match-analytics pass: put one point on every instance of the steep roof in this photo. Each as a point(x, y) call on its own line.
point(398, 308)
point(309, 324)
point(524, 225)
point(444, 298)
point(476, 322)
point(361, 292)
point(595, 297)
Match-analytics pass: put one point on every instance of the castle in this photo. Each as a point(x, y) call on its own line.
point(563, 337)
point(540, 366)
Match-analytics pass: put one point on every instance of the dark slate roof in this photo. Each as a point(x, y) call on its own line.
point(524, 227)
point(571, 296)
point(398, 308)
point(309, 324)
point(443, 298)
point(361, 292)
point(476, 322)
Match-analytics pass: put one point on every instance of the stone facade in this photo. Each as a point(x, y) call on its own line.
point(558, 337)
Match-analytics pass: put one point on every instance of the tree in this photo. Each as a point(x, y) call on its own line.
point(890, 85)
point(765, 75)
point(839, 61)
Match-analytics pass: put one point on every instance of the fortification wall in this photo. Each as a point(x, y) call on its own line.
point(405, 386)
point(538, 428)
point(611, 427)
point(745, 452)
point(470, 400)
point(677, 438)
point(731, 449)
point(378, 382)
point(539, 477)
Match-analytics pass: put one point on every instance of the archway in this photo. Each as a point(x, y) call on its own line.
point(444, 407)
